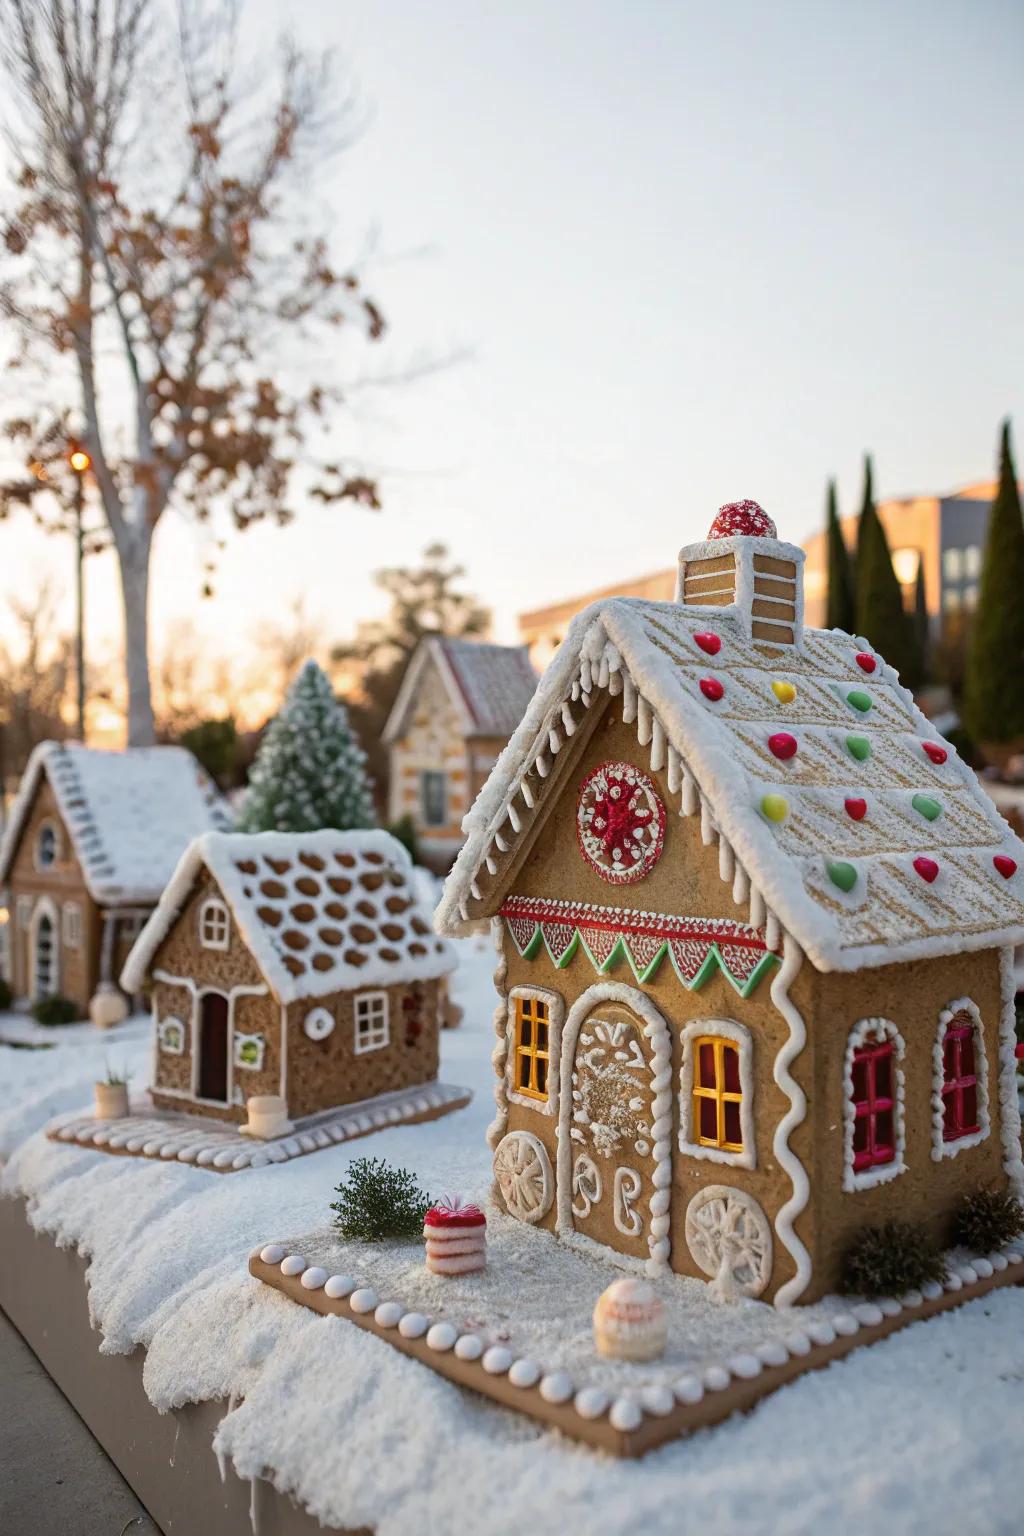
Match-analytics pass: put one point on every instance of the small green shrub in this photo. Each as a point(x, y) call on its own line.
point(55, 1010)
point(6, 995)
point(987, 1220)
point(116, 1077)
point(891, 1259)
point(376, 1201)
point(404, 832)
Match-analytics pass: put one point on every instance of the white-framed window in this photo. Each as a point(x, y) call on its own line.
point(24, 910)
point(433, 798)
point(960, 1117)
point(249, 1052)
point(47, 845)
point(373, 1028)
point(716, 1093)
point(71, 924)
point(214, 924)
point(873, 1134)
point(534, 1034)
point(318, 1023)
point(170, 1033)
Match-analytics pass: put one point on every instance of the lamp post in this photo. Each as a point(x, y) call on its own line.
point(81, 463)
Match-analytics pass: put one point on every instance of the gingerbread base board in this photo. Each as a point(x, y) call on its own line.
point(733, 1386)
point(219, 1146)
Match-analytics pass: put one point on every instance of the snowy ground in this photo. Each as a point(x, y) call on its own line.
point(924, 1432)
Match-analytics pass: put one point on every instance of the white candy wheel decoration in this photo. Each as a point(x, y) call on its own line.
point(318, 1023)
point(730, 1238)
point(523, 1171)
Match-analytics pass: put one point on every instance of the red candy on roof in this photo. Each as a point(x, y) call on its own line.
point(742, 519)
point(452, 1213)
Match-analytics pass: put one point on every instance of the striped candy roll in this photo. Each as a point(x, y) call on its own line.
point(456, 1237)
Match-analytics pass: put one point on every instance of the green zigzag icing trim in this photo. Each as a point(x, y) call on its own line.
point(714, 962)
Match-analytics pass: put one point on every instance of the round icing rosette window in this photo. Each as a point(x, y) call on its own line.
point(620, 821)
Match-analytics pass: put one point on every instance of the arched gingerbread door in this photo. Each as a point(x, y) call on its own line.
point(213, 1048)
point(616, 1133)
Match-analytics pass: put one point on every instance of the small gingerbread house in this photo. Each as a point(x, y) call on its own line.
point(296, 965)
point(756, 923)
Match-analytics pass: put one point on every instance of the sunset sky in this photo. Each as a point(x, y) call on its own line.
point(693, 253)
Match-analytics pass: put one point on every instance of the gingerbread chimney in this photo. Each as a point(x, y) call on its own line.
point(743, 565)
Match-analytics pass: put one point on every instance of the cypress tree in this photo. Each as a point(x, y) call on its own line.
point(840, 609)
point(310, 771)
point(922, 627)
point(994, 679)
point(881, 617)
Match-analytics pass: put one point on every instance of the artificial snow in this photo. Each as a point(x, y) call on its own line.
point(921, 1432)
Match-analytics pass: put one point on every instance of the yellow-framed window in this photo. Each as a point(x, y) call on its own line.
point(531, 1050)
point(717, 1094)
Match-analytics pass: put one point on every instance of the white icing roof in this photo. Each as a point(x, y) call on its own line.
point(489, 685)
point(129, 814)
point(717, 753)
point(321, 912)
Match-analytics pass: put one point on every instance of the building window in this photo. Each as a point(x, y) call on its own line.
point(214, 924)
point(874, 1105)
point(171, 1036)
point(433, 798)
point(953, 564)
point(71, 916)
point(716, 1093)
point(372, 1028)
point(960, 1091)
point(532, 1047)
point(972, 561)
point(951, 600)
point(47, 846)
point(971, 596)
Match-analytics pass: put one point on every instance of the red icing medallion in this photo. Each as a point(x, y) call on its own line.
point(926, 868)
point(1005, 865)
point(855, 808)
point(742, 519)
point(782, 745)
point(935, 752)
point(710, 643)
point(866, 661)
point(711, 688)
point(620, 823)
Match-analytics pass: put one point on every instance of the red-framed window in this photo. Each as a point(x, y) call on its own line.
point(874, 1105)
point(959, 1080)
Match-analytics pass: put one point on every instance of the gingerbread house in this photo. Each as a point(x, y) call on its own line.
point(756, 924)
point(92, 839)
point(290, 965)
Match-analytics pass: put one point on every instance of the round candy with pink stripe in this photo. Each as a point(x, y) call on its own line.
point(742, 519)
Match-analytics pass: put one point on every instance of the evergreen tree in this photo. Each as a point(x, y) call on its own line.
point(994, 680)
point(310, 771)
point(881, 617)
point(922, 627)
point(840, 610)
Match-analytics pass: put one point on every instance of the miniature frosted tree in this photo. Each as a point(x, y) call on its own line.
point(310, 771)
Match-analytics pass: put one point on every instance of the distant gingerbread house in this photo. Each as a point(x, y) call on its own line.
point(459, 703)
point(757, 925)
point(296, 965)
point(92, 839)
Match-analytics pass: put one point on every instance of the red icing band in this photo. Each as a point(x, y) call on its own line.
point(782, 745)
point(711, 688)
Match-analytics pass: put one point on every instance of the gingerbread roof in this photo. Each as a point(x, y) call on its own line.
point(321, 912)
point(489, 685)
point(841, 814)
point(129, 815)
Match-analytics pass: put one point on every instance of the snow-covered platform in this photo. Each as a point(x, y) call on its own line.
point(521, 1332)
point(221, 1147)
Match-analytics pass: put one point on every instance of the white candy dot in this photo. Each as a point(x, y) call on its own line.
point(689, 1389)
point(469, 1347)
point(797, 1343)
point(890, 1307)
point(313, 1277)
point(913, 1298)
point(273, 1253)
point(1013, 1256)
point(772, 1352)
point(294, 1264)
point(845, 1323)
point(626, 1413)
point(868, 1313)
point(497, 1360)
point(983, 1267)
point(953, 1282)
point(745, 1366)
point(338, 1286)
point(556, 1387)
point(998, 1260)
point(931, 1291)
point(821, 1332)
point(716, 1377)
point(524, 1373)
point(388, 1314)
point(442, 1336)
point(591, 1402)
point(413, 1325)
point(657, 1400)
point(363, 1300)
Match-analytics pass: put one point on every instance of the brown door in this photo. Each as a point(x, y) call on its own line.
point(213, 1047)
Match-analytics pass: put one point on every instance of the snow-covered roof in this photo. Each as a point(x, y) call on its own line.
point(489, 685)
point(841, 814)
point(321, 912)
point(129, 814)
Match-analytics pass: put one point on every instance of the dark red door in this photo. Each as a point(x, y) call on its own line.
point(213, 1047)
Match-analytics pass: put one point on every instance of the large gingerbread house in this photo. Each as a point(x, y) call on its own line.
point(293, 965)
point(756, 922)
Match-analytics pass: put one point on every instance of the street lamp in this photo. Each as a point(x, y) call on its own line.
point(81, 463)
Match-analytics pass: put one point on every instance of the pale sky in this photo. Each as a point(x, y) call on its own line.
point(696, 253)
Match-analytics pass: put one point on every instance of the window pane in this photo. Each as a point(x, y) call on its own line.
point(524, 1071)
point(731, 1064)
point(883, 1075)
point(860, 1134)
point(950, 1119)
point(972, 560)
point(733, 1130)
point(967, 1055)
point(706, 1066)
point(860, 1080)
point(542, 1074)
point(885, 1142)
point(952, 564)
point(542, 1035)
point(969, 1114)
point(525, 1030)
point(708, 1113)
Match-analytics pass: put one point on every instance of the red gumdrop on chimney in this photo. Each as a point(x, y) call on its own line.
point(1005, 865)
point(711, 688)
point(782, 745)
point(856, 809)
point(709, 643)
point(935, 752)
point(742, 519)
point(866, 661)
point(926, 868)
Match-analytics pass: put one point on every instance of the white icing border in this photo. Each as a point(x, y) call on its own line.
point(1009, 1104)
point(499, 1055)
point(940, 1147)
point(657, 1033)
point(882, 1173)
point(785, 1220)
point(163, 1030)
point(556, 1013)
point(261, 1049)
point(739, 1035)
